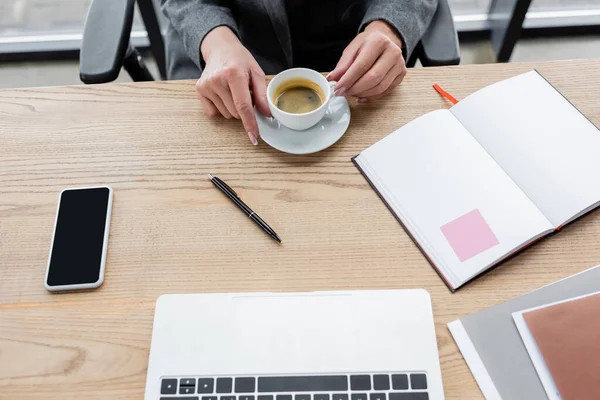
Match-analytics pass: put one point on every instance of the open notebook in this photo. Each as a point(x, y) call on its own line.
point(474, 184)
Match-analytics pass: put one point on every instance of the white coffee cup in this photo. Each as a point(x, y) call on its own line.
point(300, 122)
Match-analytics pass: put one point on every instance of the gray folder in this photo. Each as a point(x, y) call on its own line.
point(492, 346)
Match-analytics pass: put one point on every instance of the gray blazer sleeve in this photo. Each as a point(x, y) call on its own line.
point(194, 19)
point(411, 18)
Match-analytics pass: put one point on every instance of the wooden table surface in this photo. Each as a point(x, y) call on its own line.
point(173, 232)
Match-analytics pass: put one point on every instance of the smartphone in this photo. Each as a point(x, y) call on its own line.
point(78, 249)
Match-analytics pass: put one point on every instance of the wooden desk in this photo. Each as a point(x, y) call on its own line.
point(173, 232)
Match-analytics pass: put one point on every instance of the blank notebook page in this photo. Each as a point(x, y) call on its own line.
point(544, 143)
point(460, 206)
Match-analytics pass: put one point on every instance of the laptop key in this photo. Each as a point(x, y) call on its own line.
point(209, 397)
point(224, 385)
point(302, 397)
point(340, 396)
point(179, 398)
point(245, 385)
point(359, 396)
point(320, 397)
point(409, 396)
point(186, 389)
point(377, 396)
point(360, 382)
point(265, 397)
point(206, 385)
point(283, 397)
point(282, 384)
point(418, 381)
point(187, 382)
point(381, 382)
point(227, 397)
point(400, 382)
point(246, 397)
point(168, 386)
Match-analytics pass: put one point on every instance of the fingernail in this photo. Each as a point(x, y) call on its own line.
point(253, 138)
point(328, 75)
point(363, 100)
point(340, 91)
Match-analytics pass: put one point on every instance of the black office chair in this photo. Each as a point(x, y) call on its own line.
point(106, 43)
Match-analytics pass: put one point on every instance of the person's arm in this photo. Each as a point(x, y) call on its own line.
point(224, 86)
point(409, 18)
point(229, 71)
point(374, 62)
point(194, 19)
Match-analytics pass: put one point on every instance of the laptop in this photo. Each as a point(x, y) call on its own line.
point(350, 345)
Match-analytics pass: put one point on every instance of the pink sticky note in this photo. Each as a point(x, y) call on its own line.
point(469, 235)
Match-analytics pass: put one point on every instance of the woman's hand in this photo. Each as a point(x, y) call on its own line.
point(372, 64)
point(231, 80)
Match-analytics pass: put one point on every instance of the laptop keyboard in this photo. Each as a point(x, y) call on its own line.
point(394, 386)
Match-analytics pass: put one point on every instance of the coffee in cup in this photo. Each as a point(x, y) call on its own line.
point(298, 96)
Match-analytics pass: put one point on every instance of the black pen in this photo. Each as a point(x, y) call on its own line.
point(233, 196)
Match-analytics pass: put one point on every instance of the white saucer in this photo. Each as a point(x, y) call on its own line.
point(324, 134)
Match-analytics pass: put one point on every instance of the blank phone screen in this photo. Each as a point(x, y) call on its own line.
point(76, 256)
